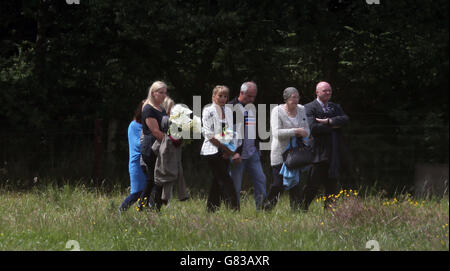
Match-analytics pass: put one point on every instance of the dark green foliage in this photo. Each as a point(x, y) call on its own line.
point(64, 66)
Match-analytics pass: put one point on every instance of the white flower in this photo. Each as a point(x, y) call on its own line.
point(174, 131)
point(181, 124)
point(179, 110)
point(182, 121)
point(226, 136)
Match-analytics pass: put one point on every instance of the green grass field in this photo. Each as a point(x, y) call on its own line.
point(47, 217)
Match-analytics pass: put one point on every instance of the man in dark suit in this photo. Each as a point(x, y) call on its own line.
point(331, 156)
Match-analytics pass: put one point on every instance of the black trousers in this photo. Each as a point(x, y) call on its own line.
point(151, 195)
point(277, 188)
point(222, 187)
point(318, 178)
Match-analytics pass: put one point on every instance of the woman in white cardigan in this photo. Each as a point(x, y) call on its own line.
point(286, 121)
point(217, 118)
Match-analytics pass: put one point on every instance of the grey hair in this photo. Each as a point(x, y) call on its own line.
point(288, 92)
point(244, 86)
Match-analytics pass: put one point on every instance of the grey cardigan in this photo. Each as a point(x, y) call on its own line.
point(282, 129)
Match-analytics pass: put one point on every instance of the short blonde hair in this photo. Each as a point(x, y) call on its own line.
point(220, 89)
point(157, 85)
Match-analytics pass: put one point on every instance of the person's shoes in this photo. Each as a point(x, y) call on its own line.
point(211, 208)
point(267, 205)
point(153, 206)
point(141, 204)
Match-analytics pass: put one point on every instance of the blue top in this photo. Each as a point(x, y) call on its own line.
point(137, 175)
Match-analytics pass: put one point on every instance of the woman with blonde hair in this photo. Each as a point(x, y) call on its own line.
point(216, 118)
point(168, 166)
point(152, 115)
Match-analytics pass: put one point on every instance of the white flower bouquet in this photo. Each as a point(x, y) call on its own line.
point(181, 125)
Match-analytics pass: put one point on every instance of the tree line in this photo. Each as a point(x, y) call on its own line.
point(72, 75)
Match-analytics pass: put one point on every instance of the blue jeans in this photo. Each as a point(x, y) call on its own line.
point(132, 198)
point(253, 167)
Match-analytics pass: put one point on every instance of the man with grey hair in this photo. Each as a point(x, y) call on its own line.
point(247, 155)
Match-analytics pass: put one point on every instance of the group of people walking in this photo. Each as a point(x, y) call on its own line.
point(319, 123)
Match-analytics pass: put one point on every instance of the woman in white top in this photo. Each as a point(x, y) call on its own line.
point(215, 119)
point(286, 121)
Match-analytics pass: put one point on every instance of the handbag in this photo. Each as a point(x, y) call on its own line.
point(298, 156)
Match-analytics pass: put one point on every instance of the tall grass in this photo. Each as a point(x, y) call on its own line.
point(47, 217)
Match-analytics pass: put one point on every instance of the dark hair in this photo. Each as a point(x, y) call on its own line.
point(138, 113)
